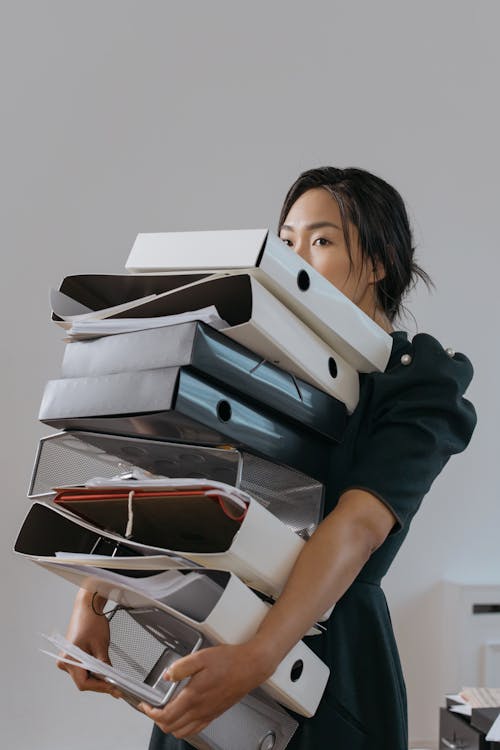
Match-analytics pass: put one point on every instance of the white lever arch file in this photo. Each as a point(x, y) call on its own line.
point(298, 285)
point(224, 610)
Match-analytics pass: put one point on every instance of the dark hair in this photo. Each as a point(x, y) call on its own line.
point(378, 212)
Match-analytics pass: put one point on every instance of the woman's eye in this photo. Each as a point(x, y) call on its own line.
point(321, 242)
point(286, 241)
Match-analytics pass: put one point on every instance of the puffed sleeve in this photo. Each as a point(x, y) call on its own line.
point(417, 419)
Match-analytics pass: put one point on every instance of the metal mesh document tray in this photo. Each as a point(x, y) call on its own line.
point(145, 640)
point(72, 458)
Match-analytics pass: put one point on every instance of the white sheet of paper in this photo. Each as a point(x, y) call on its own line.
point(69, 310)
point(90, 328)
point(462, 708)
point(494, 733)
point(481, 697)
point(144, 562)
point(96, 666)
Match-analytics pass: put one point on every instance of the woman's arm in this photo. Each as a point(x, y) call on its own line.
point(89, 630)
point(326, 567)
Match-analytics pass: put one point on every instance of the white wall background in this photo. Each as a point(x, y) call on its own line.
point(121, 116)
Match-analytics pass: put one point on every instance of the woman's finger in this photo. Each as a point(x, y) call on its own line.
point(186, 706)
point(185, 667)
point(188, 730)
point(85, 681)
point(165, 719)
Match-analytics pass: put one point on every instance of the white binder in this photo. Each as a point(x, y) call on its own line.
point(257, 319)
point(337, 320)
point(224, 612)
point(261, 549)
point(48, 531)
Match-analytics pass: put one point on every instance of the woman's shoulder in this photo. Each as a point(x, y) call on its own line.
point(412, 418)
point(425, 357)
point(423, 371)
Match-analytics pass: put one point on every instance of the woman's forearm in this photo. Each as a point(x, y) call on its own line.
point(326, 567)
point(220, 676)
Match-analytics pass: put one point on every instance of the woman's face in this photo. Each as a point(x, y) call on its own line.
point(313, 228)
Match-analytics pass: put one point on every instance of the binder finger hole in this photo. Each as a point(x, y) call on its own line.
point(303, 281)
point(297, 669)
point(224, 411)
point(332, 367)
point(268, 741)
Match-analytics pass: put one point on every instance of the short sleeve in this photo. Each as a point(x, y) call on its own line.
point(416, 419)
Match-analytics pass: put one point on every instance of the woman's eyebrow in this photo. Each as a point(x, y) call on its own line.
point(315, 225)
point(321, 224)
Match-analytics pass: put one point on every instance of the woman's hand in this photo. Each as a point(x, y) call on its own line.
point(326, 567)
point(220, 677)
point(90, 632)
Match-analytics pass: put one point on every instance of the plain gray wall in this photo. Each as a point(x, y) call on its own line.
point(119, 117)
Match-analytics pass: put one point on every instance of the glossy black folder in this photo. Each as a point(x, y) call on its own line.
point(215, 357)
point(178, 404)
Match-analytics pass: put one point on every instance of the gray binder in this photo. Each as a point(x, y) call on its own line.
point(176, 404)
point(255, 318)
point(213, 355)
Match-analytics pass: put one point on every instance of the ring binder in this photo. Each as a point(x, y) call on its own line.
point(175, 404)
point(213, 355)
point(256, 319)
point(336, 319)
point(220, 607)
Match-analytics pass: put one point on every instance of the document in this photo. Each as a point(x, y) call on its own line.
point(481, 697)
point(91, 328)
point(77, 657)
point(474, 697)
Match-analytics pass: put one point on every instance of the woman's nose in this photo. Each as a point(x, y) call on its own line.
point(302, 249)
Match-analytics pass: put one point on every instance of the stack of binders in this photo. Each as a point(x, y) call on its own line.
point(199, 399)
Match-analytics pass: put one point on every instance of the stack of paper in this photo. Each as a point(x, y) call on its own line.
point(474, 697)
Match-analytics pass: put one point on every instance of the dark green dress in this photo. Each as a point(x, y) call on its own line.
point(410, 419)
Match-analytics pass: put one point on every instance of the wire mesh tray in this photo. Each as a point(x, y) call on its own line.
point(144, 641)
point(74, 457)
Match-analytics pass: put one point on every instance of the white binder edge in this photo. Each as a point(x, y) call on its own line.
point(149, 249)
point(234, 619)
point(276, 334)
point(232, 561)
point(153, 391)
point(262, 552)
point(355, 336)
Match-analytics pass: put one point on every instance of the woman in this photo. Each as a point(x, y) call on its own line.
point(353, 228)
